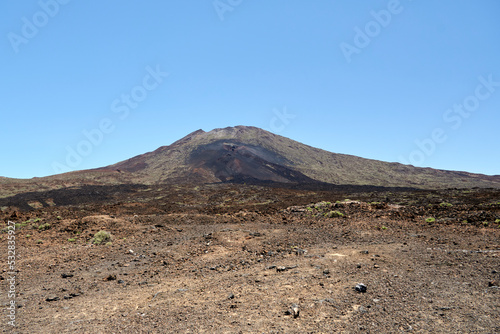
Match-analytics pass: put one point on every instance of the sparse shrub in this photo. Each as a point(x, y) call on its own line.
point(36, 220)
point(384, 227)
point(430, 220)
point(39, 241)
point(465, 221)
point(44, 227)
point(333, 214)
point(20, 225)
point(497, 221)
point(71, 239)
point(58, 217)
point(109, 243)
point(100, 237)
point(28, 235)
point(485, 223)
point(445, 205)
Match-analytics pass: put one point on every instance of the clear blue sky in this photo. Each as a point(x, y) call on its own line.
point(401, 81)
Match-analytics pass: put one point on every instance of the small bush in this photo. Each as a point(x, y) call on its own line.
point(430, 220)
point(100, 237)
point(21, 225)
point(333, 214)
point(384, 227)
point(71, 239)
point(44, 227)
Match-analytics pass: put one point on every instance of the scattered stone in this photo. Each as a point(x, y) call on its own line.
point(360, 287)
point(362, 309)
point(493, 284)
point(51, 298)
point(326, 272)
point(120, 281)
point(364, 252)
point(270, 267)
point(283, 268)
point(63, 275)
point(299, 251)
point(71, 295)
point(231, 296)
point(294, 310)
point(110, 278)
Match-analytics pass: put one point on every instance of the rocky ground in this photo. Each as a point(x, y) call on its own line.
point(250, 259)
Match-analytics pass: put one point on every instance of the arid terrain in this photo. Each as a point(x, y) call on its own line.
point(236, 258)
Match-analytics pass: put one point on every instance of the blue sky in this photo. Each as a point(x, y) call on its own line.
point(86, 84)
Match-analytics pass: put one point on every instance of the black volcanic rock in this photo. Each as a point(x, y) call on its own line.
point(240, 162)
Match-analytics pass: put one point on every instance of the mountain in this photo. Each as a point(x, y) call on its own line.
point(244, 154)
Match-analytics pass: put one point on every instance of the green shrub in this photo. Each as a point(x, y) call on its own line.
point(21, 225)
point(71, 239)
point(44, 227)
point(430, 220)
point(333, 214)
point(384, 227)
point(100, 237)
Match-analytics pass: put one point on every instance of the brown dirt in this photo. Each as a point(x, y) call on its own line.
point(234, 258)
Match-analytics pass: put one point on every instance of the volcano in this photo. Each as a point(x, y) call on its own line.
point(245, 154)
